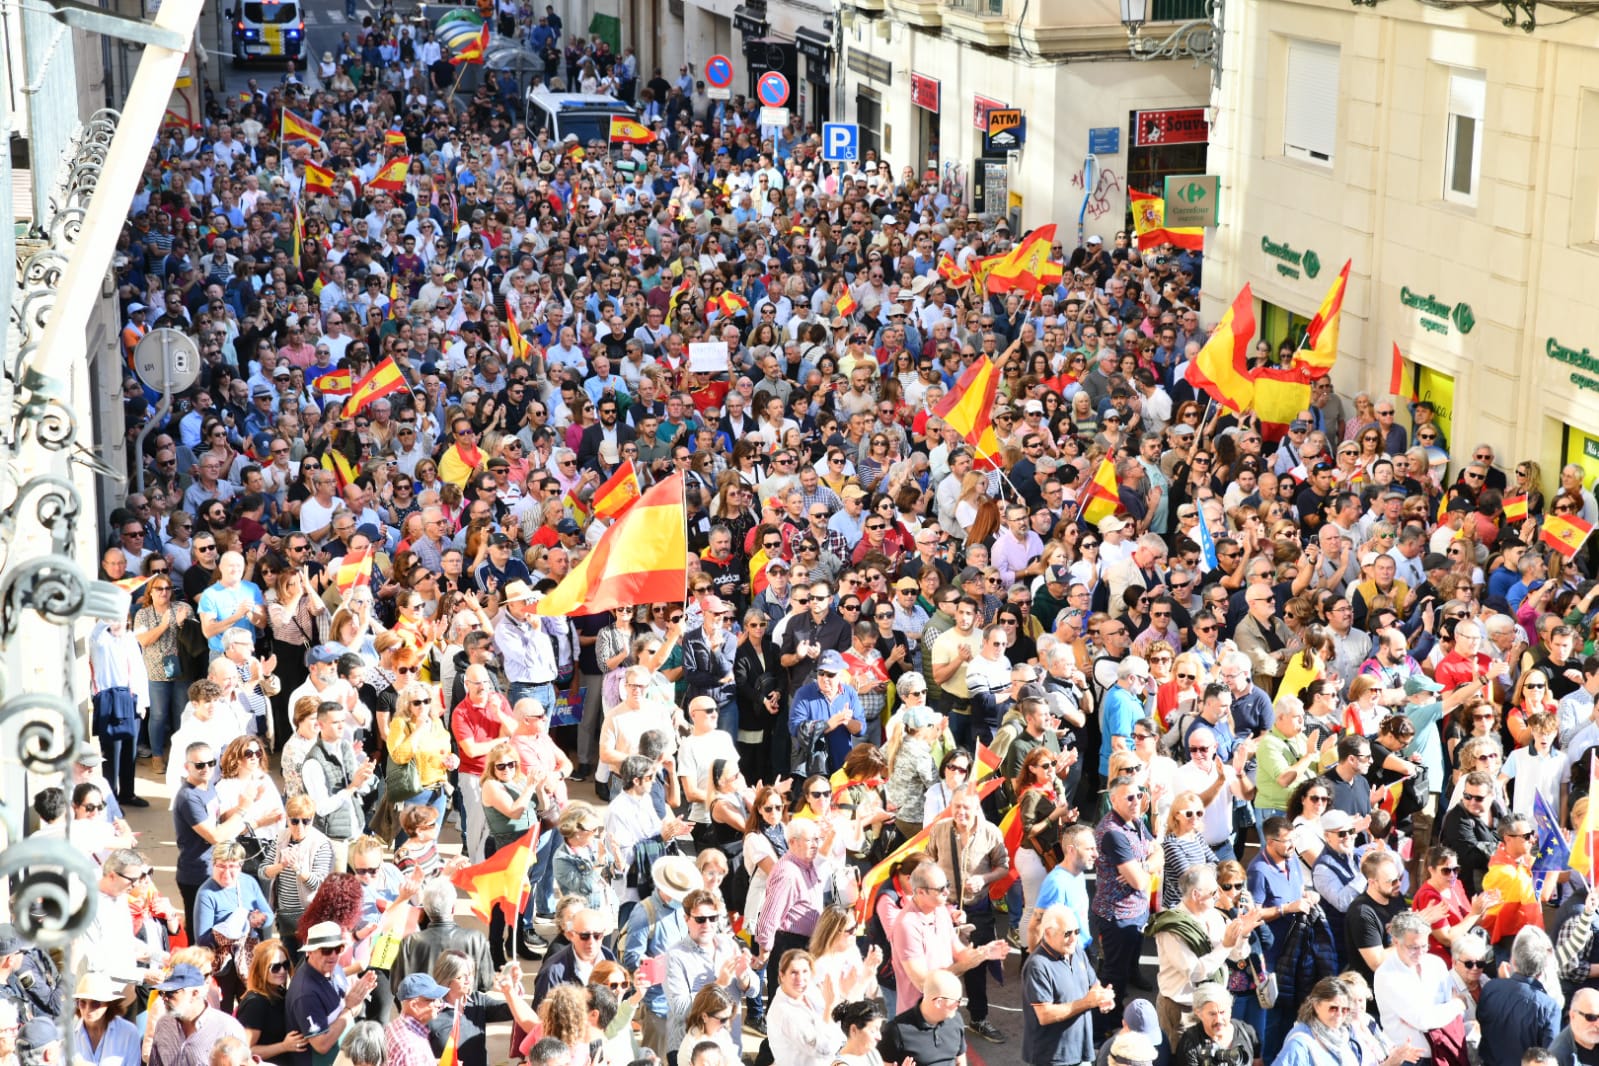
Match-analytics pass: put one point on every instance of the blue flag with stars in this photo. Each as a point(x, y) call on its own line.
point(1207, 543)
point(1554, 850)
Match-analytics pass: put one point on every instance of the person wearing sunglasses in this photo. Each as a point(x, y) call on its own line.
point(306, 855)
point(321, 993)
point(263, 1010)
point(420, 747)
point(198, 817)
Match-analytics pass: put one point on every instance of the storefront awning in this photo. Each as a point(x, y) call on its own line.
point(749, 23)
point(814, 44)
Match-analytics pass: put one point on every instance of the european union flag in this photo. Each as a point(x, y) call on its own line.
point(1207, 544)
point(1554, 850)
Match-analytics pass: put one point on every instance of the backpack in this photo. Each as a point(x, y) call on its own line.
point(810, 750)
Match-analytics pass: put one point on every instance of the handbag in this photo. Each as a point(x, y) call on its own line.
point(1265, 983)
point(403, 781)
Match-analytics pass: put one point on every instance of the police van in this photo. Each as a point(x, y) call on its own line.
point(587, 115)
point(269, 30)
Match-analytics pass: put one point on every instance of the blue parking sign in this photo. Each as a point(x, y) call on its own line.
point(841, 141)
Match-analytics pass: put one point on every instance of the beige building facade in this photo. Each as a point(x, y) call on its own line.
point(1456, 163)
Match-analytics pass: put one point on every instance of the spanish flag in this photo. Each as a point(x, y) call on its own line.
point(1515, 508)
point(393, 138)
point(1149, 223)
point(758, 580)
point(873, 880)
point(354, 571)
point(1221, 367)
point(1010, 831)
point(617, 494)
point(344, 471)
point(1316, 358)
point(845, 304)
point(318, 180)
point(642, 558)
point(1565, 533)
point(1103, 497)
point(626, 131)
point(381, 380)
point(296, 130)
point(1022, 268)
point(521, 350)
point(476, 50)
point(969, 406)
point(334, 383)
point(731, 303)
point(450, 1056)
point(952, 273)
point(391, 177)
point(1582, 840)
point(1280, 394)
point(500, 880)
point(986, 762)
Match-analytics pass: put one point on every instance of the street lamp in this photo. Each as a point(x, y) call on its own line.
point(1196, 39)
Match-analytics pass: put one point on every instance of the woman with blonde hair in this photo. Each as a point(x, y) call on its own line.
point(564, 1015)
point(420, 750)
point(300, 857)
point(1183, 845)
point(836, 958)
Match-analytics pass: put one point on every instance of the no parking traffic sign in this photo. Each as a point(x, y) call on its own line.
point(772, 89)
point(719, 72)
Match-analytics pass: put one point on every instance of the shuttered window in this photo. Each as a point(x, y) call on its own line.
point(1310, 115)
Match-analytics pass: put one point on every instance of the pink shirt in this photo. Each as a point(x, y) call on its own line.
point(928, 937)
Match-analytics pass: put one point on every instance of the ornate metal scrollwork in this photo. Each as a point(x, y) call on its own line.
point(51, 585)
point(46, 907)
point(51, 730)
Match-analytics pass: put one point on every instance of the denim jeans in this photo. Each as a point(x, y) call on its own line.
point(436, 798)
point(164, 697)
point(544, 693)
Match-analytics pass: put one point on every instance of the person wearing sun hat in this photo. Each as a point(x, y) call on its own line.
point(102, 1035)
point(655, 925)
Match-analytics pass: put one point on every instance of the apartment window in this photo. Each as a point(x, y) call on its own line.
point(1310, 107)
point(869, 117)
point(1468, 93)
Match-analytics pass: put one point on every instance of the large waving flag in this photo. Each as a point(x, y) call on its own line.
point(1320, 351)
point(1102, 497)
point(952, 273)
point(642, 558)
point(318, 180)
point(500, 880)
point(627, 131)
point(381, 380)
point(1565, 533)
point(968, 408)
point(475, 50)
point(873, 880)
point(296, 130)
point(1022, 269)
point(618, 493)
point(1222, 368)
point(521, 350)
point(334, 383)
point(391, 176)
point(1149, 224)
point(1280, 394)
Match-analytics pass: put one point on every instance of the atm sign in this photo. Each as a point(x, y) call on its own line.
point(1003, 118)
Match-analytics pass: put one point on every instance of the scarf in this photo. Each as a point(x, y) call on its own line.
point(1178, 922)
point(779, 842)
point(1335, 1041)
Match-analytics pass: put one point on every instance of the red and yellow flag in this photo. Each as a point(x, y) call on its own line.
point(344, 471)
point(627, 131)
point(845, 304)
point(394, 138)
point(1022, 268)
point(873, 880)
point(618, 493)
point(500, 880)
point(1515, 508)
point(1010, 830)
point(987, 763)
point(381, 380)
point(521, 350)
point(391, 176)
point(1316, 358)
point(1281, 393)
point(642, 558)
point(318, 180)
point(1582, 840)
point(1149, 224)
point(952, 273)
point(1222, 366)
point(334, 383)
point(1102, 497)
point(354, 571)
point(450, 1056)
point(474, 51)
point(1565, 533)
point(297, 235)
point(968, 409)
point(296, 130)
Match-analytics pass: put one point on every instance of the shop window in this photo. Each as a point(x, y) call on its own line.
point(1468, 92)
point(1310, 108)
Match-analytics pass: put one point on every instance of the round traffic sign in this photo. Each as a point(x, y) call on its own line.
point(719, 72)
point(167, 358)
point(772, 89)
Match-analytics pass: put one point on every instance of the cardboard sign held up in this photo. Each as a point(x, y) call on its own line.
point(709, 357)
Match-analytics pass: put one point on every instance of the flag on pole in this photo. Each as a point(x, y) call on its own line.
point(1320, 350)
point(1207, 543)
point(354, 571)
point(499, 880)
point(1396, 376)
point(1554, 849)
point(394, 138)
point(381, 380)
point(845, 304)
point(318, 180)
point(641, 558)
point(1010, 830)
point(1102, 498)
point(1221, 368)
point(296, 130)
point(987, 763)
point(1515, 508)
point(968, 408)
point(1149, 224)
point(1281, 393)
point(618, 493)
point(1565, 533)
point(344, 471)
point(952, 273)
point(475, 50)
point(450, 1056)
point(627, 131)
point(334, 383)
point(391, 177)
point(1022, 268)
point(521, 350)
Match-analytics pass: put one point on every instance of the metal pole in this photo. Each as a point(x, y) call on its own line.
point(65, 337)
point(162, 409)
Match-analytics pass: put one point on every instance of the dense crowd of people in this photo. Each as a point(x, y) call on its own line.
point(1260, 765)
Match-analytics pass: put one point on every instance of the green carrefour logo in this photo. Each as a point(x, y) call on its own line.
point(1463, 318)
point(1312, 263)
